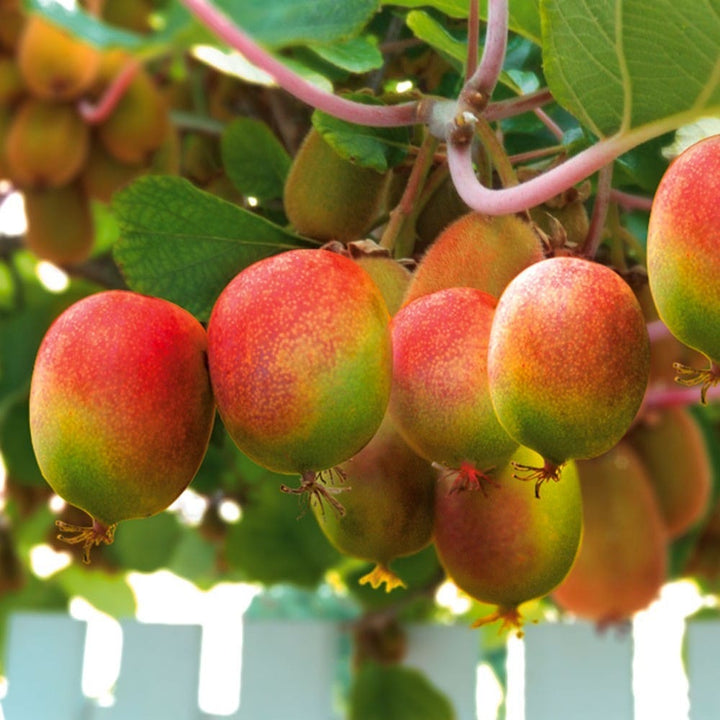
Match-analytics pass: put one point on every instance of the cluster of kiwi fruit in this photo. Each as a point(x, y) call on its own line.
point(57, 145)
point(597, 541)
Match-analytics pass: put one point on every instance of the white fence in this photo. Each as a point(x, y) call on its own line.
point(289, 670)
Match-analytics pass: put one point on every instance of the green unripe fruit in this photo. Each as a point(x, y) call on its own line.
point(300, 360)
point(121, 408)
point(506, 547)
point(139, 124)
point(388, 495)
point(477, 251)
point(621, 565)
point(683, 255)
point(55, 65)
point(46, 145)
point(329, 198)
point(103, 174)
point(568, 360)
point(60, 224)
point(672, 448)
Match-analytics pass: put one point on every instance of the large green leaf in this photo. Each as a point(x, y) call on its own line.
point(185, 245)
point(289, 22)
point(254, 159)
point(396, 693)
point(622, 64)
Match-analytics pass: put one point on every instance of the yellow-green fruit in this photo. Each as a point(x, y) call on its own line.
point(46, 145)
point(672, 448)
point(6, 118)
point(507, 546)
point(387, 493)
point(103, 174)
point(12, 86)
point(390, 276)
point(443, 207)
point(621, 565)
point(329, 198)
point(12, 20)
point(139, 123)
point(477, 251)
point(55, 64)
point(60, 225)
point(572, 217)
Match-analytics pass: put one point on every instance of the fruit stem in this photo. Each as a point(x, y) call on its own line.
point(549, 471)
point(372, 115)
point(313, 488)
point(468, 477)
point(89, 537)
point(380, 574)
point(706, 378)
point(96, 113)
point(599, 212)
point(508, 614)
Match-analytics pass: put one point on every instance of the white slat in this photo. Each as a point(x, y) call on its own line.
point(159, 673)
point(44, 667)
point(572, 671)
point(449, 656)
point(288, 669)
point(703, 668)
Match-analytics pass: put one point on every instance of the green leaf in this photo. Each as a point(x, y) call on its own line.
point(429, 30)
point(288, 22)
point(356, 55)
point(254, 159)
point(84, 25)
point(185, 245)
point(272, 544)
point(396, 693)
point(621, 64)
point(376, 148)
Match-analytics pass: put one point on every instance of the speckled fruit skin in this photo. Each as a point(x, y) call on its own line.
point(621, 565)
point(477, 251)
point(121, 407)
point(440, 398)
point(508, 547)
point(568, 358)
point(683, 247)
point(388, 494)
point(300, 360)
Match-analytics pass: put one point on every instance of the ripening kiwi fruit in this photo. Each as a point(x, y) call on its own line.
point(12, 86)
point(59, 224)
point(672, 447)
point(683, 256)
point(46, 145)
point(103, 174)
point(568, 360)
point(390, 276)
point(300, 361)
point(443, 207)
point(55, 64)
point(622, 562)
point(477, 251)
point(329, 198)
point(440, 396)
point(387, 492)
point(139, 122)
point(121, 408)
point(6, 119)
point(507, 547)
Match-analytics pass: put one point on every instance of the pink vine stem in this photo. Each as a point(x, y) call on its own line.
point(372, 115)
point(96, 113)
point(482, 81)
point(599, 213)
